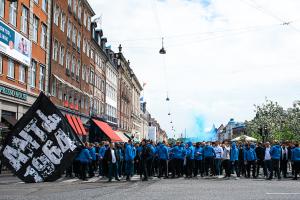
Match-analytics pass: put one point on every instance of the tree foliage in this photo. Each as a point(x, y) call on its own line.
point(280, 124)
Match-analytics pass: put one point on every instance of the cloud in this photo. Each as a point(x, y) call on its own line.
point(221, 58)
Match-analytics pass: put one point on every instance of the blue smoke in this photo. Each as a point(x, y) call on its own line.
point(198, 133)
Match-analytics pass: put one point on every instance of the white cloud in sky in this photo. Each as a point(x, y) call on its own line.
point(216, 75)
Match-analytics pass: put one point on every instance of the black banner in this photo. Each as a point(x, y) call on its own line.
point(41, 145)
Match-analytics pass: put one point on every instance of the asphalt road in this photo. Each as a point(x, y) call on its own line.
point(243, 189)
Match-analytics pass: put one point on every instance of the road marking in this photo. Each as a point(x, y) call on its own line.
point(91, 180)
point(70, 180)
point(282, 193)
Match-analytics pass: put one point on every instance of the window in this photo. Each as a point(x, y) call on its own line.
point(78, 40)
point(13, 13)
point(11, 69)
point(68, 59)
point(56, 14)
point(84, 19)
point(44, 36)
point(74, 6)
point(89, 24)
point(60, 91)
point(35, 29)
point(62, 21)
point(79, 11)
point(87, 49)
point(78, 70)
point(24, 20)
point(73, 65)
point(36, 1)
point(42, 77)
point(61, 55)
point(45, 5)
point(1, 65)
point(70, 3)
point(84, 45)
point(2, 3)
point(55, 50)
point(87, 74)
point(69, 29)
point(33, 73)
point(22, 73)
point(91, 76)
point(92, 54)
point(83, 73)
point(74, 35)
point(53, 92)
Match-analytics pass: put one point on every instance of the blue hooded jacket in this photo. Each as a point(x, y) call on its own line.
point(295, 154)
point(234, 153)
point(198, 155)
point(190, 151)
point(84, 156)
point(183, 151)
point(275, 152)
point(163, 152)
point(102, 151)
point(176, 151)
point(93, 153)
point(208, 151)
point(250, 154)
point(129, 153)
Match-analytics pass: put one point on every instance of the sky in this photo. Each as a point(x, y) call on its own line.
point(223, 56)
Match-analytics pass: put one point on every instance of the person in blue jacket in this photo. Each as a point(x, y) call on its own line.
point(198, 156)
point(209, 154)
point(92, 165)
point(295, 158)
point(234, 159)
point(150, 159)
point(163, 157)
point(275, 153)
point(250, 160)
point(176, 152)
point(190, 150)
point(84, 158)
point(101, 164)
point(129, 159)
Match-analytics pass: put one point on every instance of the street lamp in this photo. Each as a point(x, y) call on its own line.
point(162, 50)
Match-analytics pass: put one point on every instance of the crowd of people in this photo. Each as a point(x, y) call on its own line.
point(123, 160)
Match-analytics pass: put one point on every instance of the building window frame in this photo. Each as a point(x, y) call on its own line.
point(33, 74)
point(22, 73)
point(13, 9)
point(42, 77)
point(43, 36)
point(35, 29)
point(24, 20)
point(11, 69)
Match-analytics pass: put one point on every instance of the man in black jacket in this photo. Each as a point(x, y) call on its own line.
point(111, 157)
point(145, 154)
point(260, 153)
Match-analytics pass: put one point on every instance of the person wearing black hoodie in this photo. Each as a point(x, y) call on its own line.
point(260, 153)
point(145, 155)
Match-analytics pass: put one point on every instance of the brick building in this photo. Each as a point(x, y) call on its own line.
point(124, 93)
point(24, 51)
point(72, 60)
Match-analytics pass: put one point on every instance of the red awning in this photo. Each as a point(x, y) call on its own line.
point(108, 131)
point(69, 118)
point(81, 126)
point(78, 129)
